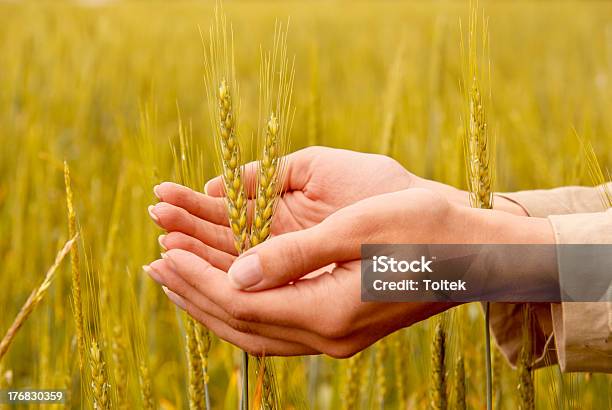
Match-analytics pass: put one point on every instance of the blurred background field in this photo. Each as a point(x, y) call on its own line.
point(104, 87)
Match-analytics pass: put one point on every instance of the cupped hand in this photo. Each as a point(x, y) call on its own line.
point(287, 312)
point(318, 182)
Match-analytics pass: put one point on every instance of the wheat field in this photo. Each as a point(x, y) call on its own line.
point(115, 90)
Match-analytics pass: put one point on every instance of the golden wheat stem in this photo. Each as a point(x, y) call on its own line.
point(399, 365)
point(34, 299)
point(99, 378)
point(479, 155)
point(381, 380)
point(118, 350)
point(204, 342)
point(438, 399)
point(196, 376)
point(146, 388)
point(77, 307)
point(459, 390)
point(526, 384)
point(267, 184)
point(232, 169)
point(350, 399)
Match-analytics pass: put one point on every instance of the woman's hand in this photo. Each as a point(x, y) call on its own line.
point(288, 310)
point(318, 182)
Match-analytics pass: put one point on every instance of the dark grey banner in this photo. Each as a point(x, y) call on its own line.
point(486, 273)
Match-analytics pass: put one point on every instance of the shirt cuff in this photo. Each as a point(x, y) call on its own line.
point(583, 330)
point(507, 326)
point(559, 201)
point(582, 336)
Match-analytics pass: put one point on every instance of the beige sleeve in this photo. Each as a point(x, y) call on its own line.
point(560, 201)
point(577, 335)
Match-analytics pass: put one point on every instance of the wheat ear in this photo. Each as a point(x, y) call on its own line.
point(223, 101)
point(479, 154)
point(204, 342)
point(400, 353)
point(196, 380)
point(34, 299)
point(497, 377)
point(597, 175)
point(459, 385)
point(146, 388)
point(276, 89)
point(437, 397)
point(381, 379)
point(267, 184)
point(118, 352)
point(526, 385)
point(77, 306)
point(352, 387)
point(232, 169)
point(479, 149)
point(99, 378)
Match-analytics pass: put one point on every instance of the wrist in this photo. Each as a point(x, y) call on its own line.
point(514, 273)
point(462, 198)
point(495, 226)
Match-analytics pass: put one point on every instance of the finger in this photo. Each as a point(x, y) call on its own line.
point(183, 292)
point(216, 188)
point(203, 206)
point(178, 240)
point(296, 174)
point(255, 345)
point(339, 338)
point(286, 258)
point(299, 306)
point(173, 218)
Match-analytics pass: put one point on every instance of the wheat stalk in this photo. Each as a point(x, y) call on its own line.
point(188, 164)
point(400, 366)
point(381, 379)
point(314, 126)
point(276, 85)
point(595, 172)
point(437, 397)
point(146, 387)
point(222, 94)
point(526, 384)
point(194, 363)
point(232, 168)
point(391, 98)
point(204, 342)
point(77, 306)
point(459, 385)
point(34, 299)
point(479, 154)
point(118, 351)
point(350, 398)
point(99, 378)
point(135, 318)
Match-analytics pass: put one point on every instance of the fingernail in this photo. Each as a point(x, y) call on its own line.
point(160, 240)
point(152, 214)
point(246, 272)
point(156, 192)
point(206, 188)
point(152, 273)
point(169, 260)
point(176, 299)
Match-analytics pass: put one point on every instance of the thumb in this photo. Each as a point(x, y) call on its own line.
point(286, 258)
point(215, 187)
